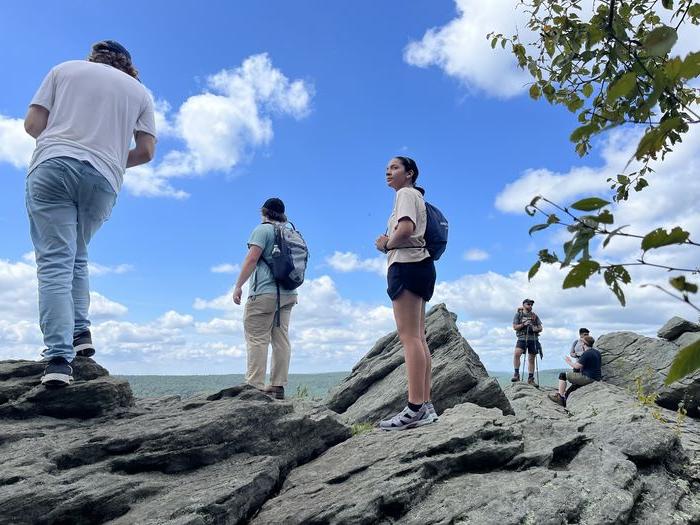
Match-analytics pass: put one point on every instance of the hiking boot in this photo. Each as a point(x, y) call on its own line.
point(406, 419)
point(432, 415)
point(515, 378)
point(275, 391)
point(57, 373)
point(531, 381)
point(554, 396)
point(82, 344)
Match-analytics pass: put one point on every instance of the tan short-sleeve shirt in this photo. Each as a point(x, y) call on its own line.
point(409, 203)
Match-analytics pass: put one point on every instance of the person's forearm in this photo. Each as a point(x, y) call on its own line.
point(246, 271)
point(137, 157)
point(399, 236)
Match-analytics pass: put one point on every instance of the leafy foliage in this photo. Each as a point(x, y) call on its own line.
point(613, 66)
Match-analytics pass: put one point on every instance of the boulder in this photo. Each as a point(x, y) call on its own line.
point(376, 387)
point(636, 362)
point(207, 460)
point(93, 392)
point(675, 327)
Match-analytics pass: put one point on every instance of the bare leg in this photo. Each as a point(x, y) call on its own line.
point(562, 387)
point(428, 359)
point(516, 359)
point(407, 313)
point(531, 363)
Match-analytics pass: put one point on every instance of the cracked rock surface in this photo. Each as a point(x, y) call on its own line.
point(376, 387)
point(628, 356)
point(91, 454)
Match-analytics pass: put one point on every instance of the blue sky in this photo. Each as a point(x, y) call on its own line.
point(308, 101)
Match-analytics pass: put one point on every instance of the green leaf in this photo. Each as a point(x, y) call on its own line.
point(612, 234)
point(660, 237)
point(533, 270)
point(605, 217)
point(553, 219)
point(546, 257)
point(580, 273)
point(535, 92)
point(687, 360)
point(660, 41)
point(680, 284)
point(618, 293)
point(589, 204)
point(587, 90)
point(668, 4)
point(535, 200)
point(690, 68)
point(537, 227)
point(622, 87)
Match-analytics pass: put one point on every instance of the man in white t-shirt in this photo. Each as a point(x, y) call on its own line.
point(83, 118)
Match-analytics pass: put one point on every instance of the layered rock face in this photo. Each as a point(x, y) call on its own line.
point(89, 453)
point(207, 460)
point(630, 357)
point(376, 388)
point(606, 460)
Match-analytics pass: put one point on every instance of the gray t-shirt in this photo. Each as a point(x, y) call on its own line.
point(94, 110)
point(520, 317)
point(577, 348)
point(262, 281)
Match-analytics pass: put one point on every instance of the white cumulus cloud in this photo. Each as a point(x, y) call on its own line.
point(351, 262)
point(460, 47)
point(16, 146)
point(476, 254)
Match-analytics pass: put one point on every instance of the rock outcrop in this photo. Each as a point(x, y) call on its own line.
point(206, 460)
point(90, 453)
point(605, 460)
point(629, 357)
point(376, 387)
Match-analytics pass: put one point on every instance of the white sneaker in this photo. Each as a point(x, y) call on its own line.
point(432, 415)
point(406, 419)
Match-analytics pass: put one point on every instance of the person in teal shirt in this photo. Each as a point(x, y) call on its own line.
point(259, 319)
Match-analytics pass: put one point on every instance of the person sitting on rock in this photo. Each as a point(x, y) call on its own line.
point(586, 371)
point(577, 346)
point(83, 117)
point(527, 326)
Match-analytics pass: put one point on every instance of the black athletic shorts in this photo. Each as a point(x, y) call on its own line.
point(531, 345)
point(417, 277)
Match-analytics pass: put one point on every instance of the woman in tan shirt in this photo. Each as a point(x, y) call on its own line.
point(411, 280)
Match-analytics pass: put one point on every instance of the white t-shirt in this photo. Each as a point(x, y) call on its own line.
point(94, 110)
point(409, 203)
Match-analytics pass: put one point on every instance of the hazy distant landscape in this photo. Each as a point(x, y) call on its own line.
point(313, 385)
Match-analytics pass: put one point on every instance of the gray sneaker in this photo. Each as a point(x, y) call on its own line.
point(432, 415)
point(406, 419)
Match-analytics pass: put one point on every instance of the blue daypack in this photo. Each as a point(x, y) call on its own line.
point(435, 231)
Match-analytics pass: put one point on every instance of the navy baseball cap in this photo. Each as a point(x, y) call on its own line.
point(111, 45)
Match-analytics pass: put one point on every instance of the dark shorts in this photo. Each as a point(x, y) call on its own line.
point(530, 344)
point(418, 277)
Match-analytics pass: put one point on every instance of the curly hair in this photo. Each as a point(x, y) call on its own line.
point(274, 215)
point(117, 60)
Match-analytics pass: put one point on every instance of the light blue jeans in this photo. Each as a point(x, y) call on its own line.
point(67, 201)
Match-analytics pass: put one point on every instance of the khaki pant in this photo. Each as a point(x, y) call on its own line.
point(578, 379)
point(260, 328)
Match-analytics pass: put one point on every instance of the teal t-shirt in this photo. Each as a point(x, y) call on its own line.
point(264, 236)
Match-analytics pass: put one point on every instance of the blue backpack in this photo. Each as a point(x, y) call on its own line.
point(435, 231)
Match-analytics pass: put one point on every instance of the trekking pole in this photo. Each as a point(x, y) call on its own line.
point(537, 369)
point(527, 332)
